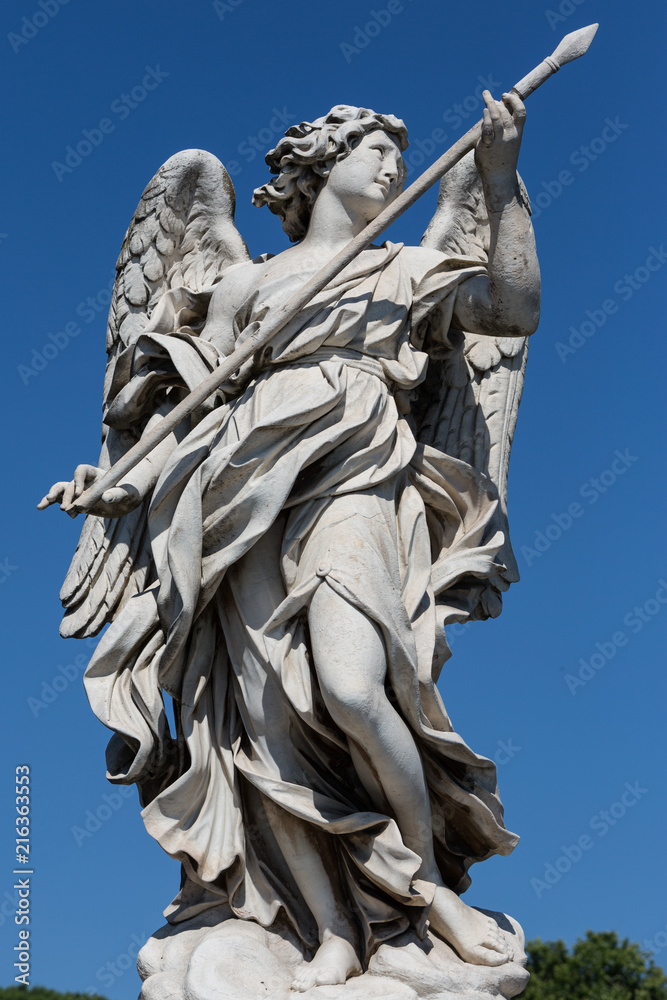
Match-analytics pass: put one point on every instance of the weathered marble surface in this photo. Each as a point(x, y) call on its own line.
point(217, 957)
point(283, 567)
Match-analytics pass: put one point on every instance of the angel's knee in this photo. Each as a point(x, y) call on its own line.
point(357, 708)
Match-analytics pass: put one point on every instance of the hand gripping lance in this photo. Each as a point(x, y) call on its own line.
point(572, 46)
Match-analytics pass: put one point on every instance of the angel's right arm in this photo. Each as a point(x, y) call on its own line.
point(138, 483)
point(142, 478)
point(229, 295)
point(219, 330)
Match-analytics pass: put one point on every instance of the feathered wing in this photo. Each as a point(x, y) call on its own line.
point(470, 400)
point(182, 233)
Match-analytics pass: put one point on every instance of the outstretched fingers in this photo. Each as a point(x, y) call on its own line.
point(54, 495)
point(75, 487)
point(65, 493)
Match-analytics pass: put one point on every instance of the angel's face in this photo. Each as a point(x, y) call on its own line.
point(370, 176)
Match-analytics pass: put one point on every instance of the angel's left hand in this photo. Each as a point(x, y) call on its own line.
point(497, 152)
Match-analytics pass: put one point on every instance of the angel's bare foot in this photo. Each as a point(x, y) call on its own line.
point(476, 937)
point(335, 961)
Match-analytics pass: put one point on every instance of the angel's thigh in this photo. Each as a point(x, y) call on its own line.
point(350, 661)
point(351, 665)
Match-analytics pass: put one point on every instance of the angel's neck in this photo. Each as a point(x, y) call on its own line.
point(332, 225)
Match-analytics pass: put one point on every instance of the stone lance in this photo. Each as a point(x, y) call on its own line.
point(571, 47)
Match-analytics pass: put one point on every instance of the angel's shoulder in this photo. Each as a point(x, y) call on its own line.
point(236, 283)
point(420, 260)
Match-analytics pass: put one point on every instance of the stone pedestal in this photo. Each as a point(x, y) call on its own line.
point(218, 957)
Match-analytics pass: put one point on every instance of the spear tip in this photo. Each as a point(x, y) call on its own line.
point(575, 44)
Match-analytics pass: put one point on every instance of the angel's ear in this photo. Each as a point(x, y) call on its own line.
point(323, 168)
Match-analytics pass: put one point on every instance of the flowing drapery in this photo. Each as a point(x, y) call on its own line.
point(272, 494)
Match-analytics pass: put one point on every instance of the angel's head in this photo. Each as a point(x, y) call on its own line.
point(305, 159)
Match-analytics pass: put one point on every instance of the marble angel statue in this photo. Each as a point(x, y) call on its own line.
point(283, 566)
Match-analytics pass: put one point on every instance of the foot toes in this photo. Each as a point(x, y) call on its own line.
point(491, 956)
point(301, 985)
point(495, 944)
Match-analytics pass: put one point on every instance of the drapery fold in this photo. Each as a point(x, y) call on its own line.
point(273, 493)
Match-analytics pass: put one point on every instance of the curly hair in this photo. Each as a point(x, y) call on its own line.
point(304, 158)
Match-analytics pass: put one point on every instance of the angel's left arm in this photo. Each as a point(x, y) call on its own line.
point(507, 301)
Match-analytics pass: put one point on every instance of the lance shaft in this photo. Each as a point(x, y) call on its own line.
point(571, 47)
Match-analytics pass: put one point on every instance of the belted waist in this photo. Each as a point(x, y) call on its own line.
point(354, 359)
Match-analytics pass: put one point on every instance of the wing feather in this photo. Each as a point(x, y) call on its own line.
point(182, 232)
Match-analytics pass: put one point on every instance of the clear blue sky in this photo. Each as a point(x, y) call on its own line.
point(221, 79)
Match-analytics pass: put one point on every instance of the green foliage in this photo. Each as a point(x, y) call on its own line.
point(42, 993)
point(600, 967)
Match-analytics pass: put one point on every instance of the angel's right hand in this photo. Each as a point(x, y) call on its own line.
point(114, 502)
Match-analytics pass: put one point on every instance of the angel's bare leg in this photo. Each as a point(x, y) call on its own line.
point(351, 666)
point(310, 856)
